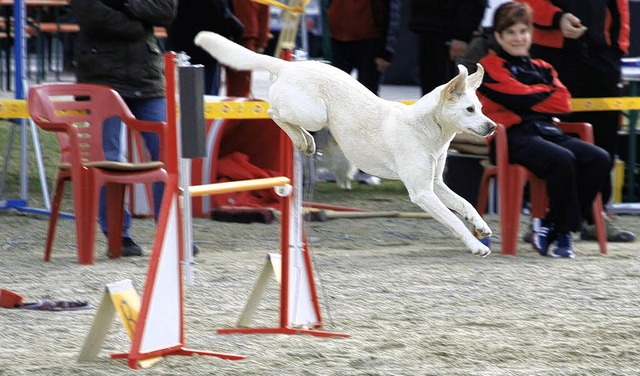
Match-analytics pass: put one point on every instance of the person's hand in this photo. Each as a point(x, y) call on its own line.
point(457, 48)
point(571, 26)
point(381, 64)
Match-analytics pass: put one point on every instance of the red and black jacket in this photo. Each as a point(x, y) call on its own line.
point(519, 90)
point(607, 23)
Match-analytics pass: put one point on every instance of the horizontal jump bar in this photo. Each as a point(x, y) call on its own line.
point(237, 186)
point(17, 108)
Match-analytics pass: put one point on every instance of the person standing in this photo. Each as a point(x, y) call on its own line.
point(444, 29)
point(364, 35)
point(116, 47)
point(255, 18)
point(194, 16)
point(585, 40)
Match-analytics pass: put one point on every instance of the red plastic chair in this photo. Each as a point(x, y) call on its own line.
point(511, 179)
point(76, 112)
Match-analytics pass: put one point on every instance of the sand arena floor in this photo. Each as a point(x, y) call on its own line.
point(412, 299)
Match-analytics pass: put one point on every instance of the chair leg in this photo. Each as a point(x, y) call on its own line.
point(510, 201)
point(483, 193)
point(53, 219)
point(87, 227)
point(598, 220)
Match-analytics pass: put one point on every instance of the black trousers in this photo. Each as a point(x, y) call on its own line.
point(574, 172)
point(590, 74)
point(434, 65)
point(359, 55)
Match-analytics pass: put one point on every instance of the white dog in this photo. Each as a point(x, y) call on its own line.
point(383, 138)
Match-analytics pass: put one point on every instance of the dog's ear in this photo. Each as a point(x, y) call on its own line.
point(475, 80)
point(457, 86)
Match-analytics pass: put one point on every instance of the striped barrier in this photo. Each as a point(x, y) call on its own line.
point(17, 108)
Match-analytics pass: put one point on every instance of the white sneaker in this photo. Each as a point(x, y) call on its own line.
point(364, 178)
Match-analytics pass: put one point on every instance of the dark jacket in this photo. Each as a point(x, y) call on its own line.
point(607, 23)
point(198, 15)
point(354, 20)
point(519, 90)
point(116, 45)
point(447, 19)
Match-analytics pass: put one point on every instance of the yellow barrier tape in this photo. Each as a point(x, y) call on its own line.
point(298, 9)
point(605, 104)
point(17, 108)
point(13, 109)
point(594, 104)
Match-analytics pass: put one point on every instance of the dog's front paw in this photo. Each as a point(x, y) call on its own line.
point(481, 250)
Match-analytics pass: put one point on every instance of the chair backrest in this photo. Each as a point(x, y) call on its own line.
point(79, 110)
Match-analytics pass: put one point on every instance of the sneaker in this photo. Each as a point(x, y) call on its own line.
point(196, 249)
point(130, 248)
point(614, 233)
point(563, 246)
point(364, 178)
point(542, 235)
point(526, 237)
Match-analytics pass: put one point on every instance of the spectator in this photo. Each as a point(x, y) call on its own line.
point(444, 29)
point(116, 47)
point(364, 34)
point(255, 18)
point(197, 15)
point(584, 41)
point(523, 94)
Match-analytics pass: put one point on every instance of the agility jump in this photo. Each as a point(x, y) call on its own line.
point(299, 307)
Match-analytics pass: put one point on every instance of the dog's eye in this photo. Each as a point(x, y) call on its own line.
point(471, 109)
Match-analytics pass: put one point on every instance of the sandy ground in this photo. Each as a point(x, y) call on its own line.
point(412, 300)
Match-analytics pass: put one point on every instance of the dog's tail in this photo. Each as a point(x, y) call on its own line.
point(234, 55)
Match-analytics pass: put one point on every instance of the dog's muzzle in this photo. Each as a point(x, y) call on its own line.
point(489, 127)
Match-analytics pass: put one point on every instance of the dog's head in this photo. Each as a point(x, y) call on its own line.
point(460, 109)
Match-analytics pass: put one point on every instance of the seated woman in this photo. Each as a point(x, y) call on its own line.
point(524, 94)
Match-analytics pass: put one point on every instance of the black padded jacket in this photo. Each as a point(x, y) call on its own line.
point(116, 45)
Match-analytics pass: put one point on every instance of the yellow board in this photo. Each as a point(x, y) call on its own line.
point(236, 110)
point(118, 297)
point(127, 303)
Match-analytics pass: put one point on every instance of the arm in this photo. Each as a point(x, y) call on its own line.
point(468, 17)
point(548, 96)
point(153, 12)
point(100, 20)
point(388, 42)
point(547, 16)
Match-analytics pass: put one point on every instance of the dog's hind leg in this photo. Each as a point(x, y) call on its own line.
point(301, 139)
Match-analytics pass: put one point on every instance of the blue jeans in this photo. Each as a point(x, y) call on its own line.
point(153, 109)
